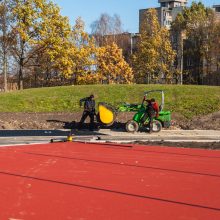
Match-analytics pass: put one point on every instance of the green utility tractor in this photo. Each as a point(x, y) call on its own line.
point(107, 114)
point(164, 119)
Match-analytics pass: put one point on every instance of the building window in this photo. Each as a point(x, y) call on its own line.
point(217, 9)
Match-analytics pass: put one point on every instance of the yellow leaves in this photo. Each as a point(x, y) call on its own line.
point(41, 29)
point(82, 52)
point(89, 78)
point(37, 21)
point(43, 33)
point(112, 66)
point(154, 56)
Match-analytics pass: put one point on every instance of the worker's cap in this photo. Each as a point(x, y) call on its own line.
point(152, 100)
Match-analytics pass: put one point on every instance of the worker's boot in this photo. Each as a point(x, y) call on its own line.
point(150, 128)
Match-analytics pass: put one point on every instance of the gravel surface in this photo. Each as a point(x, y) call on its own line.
point(12, 121)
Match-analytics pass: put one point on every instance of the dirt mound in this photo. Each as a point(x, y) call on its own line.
point(207, 122)
point(70, 120)
point(36, 120)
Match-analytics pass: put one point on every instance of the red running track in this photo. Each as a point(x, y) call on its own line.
point(64, 181)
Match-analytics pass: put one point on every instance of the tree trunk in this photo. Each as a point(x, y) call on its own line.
point(5, 72)
point(20, 76)
point(180, 55)
point(21, 66)
point(148, 78)
point(181, 59)
point(4, 47)
point(35, 79)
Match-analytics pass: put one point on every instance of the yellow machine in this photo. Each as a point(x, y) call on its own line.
point(69, 138)
point(107, 114)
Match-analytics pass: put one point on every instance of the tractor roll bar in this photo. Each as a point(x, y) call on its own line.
point(162, 96)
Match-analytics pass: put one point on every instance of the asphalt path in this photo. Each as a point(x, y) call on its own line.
point(14, 137)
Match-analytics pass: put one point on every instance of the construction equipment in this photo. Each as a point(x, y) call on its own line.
point(107, 113)
point(137, 122)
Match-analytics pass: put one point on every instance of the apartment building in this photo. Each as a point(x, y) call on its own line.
point(167, 12)
point(216, 8)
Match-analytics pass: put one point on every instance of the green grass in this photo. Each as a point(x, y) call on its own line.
point(186, 100)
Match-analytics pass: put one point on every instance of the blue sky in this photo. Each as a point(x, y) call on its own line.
point(90, 10)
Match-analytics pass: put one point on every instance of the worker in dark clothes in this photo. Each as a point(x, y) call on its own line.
point(89, 110)
point(152, 110)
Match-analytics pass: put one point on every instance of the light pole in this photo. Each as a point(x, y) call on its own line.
point(131, 36)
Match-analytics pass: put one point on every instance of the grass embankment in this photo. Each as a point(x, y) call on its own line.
point(186, 100)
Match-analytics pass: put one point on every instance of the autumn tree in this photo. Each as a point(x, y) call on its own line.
point(53, 65)
point(38, 27)
point(216, 47)
point(199, 25)
point(111, 66)
point(56, 42)
point(178, 33)
point(106, 28)
point(5, 37)
point(83, 51)
point(154, 57)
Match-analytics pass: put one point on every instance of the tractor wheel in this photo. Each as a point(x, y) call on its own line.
point(132, 126)
point(157, 126)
